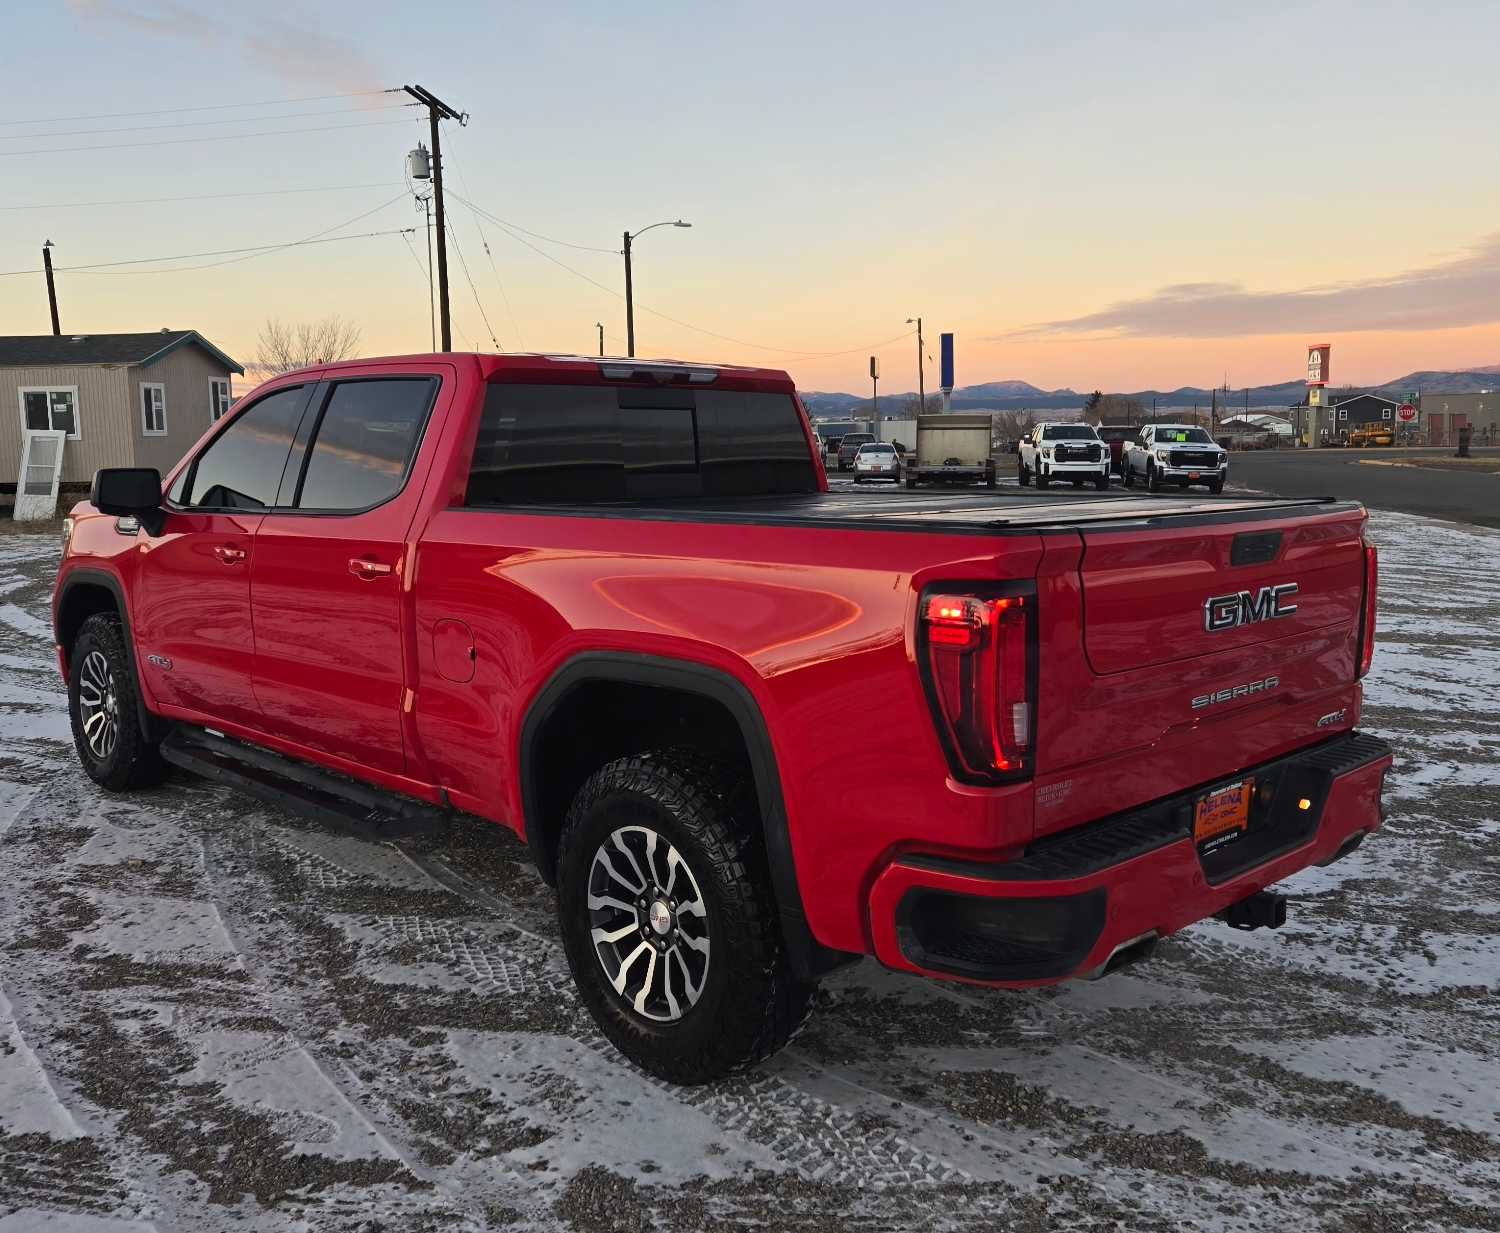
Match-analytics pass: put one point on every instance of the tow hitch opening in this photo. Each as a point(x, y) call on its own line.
point(1262, 910)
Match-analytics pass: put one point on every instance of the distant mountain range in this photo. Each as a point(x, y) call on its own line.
point(1016, 395)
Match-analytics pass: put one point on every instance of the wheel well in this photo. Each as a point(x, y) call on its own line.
point(79, 602)
point(597, 721)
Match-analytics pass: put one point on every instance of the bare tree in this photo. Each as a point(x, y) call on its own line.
point(1115, 409)
point(283, 347)
point(911, 406)
point(1013, 425)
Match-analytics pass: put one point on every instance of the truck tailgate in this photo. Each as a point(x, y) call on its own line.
point(1201, 649)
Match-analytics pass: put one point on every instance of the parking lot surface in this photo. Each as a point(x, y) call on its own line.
point(214, 1015)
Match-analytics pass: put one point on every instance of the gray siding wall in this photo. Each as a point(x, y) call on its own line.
point(186, 373)
point(104, 394)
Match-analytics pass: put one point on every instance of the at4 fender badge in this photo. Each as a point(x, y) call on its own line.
point(1264, 685)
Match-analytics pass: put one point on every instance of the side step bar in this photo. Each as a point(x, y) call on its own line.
point(354, 808)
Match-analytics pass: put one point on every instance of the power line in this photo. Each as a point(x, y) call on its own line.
point(458, 248)
point(494, 269)
point(172, 111)
point(274, 192)
point(254, 248)
point(501, 222)
point(183, 141)
point(146, 128)
point(698, 329)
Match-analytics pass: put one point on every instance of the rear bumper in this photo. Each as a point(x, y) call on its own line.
point(1073, 900)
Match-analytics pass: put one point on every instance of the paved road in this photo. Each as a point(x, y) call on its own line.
point(1458, 496)
point(217, 1016)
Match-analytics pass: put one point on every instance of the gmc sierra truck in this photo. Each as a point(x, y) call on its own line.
point(749, 728)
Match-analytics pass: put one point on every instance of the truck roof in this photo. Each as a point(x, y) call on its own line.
point(574, 369)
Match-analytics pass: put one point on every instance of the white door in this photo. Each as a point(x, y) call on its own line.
point(41, 469)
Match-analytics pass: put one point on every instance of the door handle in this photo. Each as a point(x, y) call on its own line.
point(369, 570)
point(229, 554)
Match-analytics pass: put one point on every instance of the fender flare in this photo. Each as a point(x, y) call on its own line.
point(809, 957)
point(152, 724)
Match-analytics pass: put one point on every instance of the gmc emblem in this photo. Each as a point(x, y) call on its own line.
point(1248, 607)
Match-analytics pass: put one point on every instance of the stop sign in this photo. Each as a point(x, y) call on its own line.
point(1407, 412)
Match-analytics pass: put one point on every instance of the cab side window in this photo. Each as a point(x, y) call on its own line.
point(241, 468)
point(364, 443)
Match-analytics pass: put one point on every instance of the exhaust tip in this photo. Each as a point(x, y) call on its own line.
point(1135, 950)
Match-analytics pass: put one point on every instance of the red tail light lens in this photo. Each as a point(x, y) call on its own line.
point(1367, 618)
point(977, 665)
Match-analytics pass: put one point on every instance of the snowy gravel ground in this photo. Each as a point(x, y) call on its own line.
point(214, 1016)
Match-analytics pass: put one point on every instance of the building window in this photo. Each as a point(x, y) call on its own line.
point(153, 409)
point(218, 400)
point(55, 408)
point(1385, 413)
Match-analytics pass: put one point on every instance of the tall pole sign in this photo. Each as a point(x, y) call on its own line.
point(946, 341)
point(875, 396)
point(1317, 380)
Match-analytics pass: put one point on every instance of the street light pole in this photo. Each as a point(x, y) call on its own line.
point(599, 325)
point(921, 368)
point(630, 285)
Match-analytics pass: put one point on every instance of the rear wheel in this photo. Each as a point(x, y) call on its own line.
point(1128, 476)
point(1023, 475)
point(1043, 480)
point(668, 919)
point(103, 704)
point(1102, 483)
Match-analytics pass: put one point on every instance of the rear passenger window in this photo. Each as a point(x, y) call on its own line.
point(241, 468)
point(582, 444)
point(365, 442)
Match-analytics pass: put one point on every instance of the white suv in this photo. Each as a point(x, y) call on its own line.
point(1180, 454)
point(1063, 452)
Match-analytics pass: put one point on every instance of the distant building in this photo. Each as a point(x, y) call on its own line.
point(1351, 411)
point(125, 400)
point(1444, 414)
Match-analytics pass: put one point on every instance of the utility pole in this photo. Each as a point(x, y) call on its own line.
point(438, 110)
point(875, 397)
point(629, 304)
point(921, 368)
point(51, 285)
point(599, 325)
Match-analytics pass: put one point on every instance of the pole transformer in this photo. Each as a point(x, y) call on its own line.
point(438, 110)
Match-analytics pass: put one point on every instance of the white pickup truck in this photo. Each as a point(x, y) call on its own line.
point(1180, 454)
point(1063, 452)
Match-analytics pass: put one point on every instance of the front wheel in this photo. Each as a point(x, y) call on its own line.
point(668, 919)
point(1043, 480)
point(1216, 486)
point(1102, 483)
point(1128, 477)
point(1023, 475)
point(103, 705)
point(1153, 479)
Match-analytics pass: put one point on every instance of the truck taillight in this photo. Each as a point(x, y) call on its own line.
point(977, 665)
point(1367, 617)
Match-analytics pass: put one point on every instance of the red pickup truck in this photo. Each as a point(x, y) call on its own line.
point(751, 729)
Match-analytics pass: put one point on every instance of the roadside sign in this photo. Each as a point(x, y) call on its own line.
point(1406, 412)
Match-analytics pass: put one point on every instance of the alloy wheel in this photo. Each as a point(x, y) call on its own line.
point(649, 923)
point(98, 704)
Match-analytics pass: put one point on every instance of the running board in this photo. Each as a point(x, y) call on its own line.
point(355, 808)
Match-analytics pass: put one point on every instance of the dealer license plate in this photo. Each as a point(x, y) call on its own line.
point(1222, 816)
point(1192, 475)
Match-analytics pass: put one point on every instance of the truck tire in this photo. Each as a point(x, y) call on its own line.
point(1153, 478)
point(1127, 477)
point(1043, 480)
point(103, 705)
point(661, 856)
point(1102, 483)
point(911, 481)
point(1023, 475)
point(1216, 486)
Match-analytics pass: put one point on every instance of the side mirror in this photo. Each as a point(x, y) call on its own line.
point(129, 492)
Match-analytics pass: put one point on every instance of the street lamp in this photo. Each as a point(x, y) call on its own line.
point(921, 368)
point(629, 292)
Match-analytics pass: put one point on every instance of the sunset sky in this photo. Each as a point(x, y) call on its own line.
point(1089, 194)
